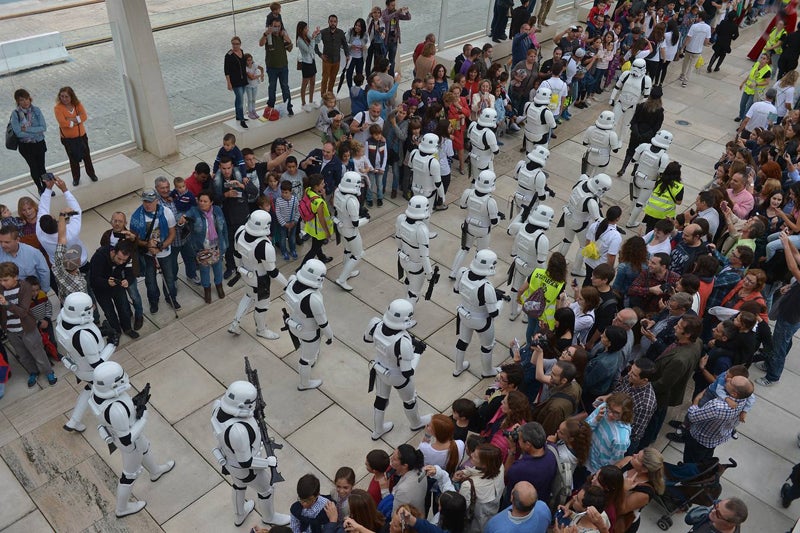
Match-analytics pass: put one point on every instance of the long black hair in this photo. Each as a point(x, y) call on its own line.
point(671, 174)
point(612, 215)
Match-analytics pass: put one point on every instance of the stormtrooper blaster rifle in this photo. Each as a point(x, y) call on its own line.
point(501, 295)
point(288, 328)
point(269, 444)
point(432, 283)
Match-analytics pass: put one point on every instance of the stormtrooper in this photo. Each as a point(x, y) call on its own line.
point(255, 261)
point(122, 421)
point(396, 358)
point(413, 254)
point(306, 318)
point(484, 142)
point(539, 120)
point(529, 251)
point(650, 160)
point(239, 452)
point(582, 209)
point(600, 140)
point(427, 175)
point(348, 220)
point(83, 347)
point(531, 183)
point(630, 88)
point(477, 311)
point(482, 214)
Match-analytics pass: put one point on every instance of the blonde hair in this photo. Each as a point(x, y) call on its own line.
point(653, 461)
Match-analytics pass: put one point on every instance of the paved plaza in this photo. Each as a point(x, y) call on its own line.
point(52, 480)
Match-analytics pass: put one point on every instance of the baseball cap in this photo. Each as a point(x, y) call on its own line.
point(148, 195)
point(72, 257)
point(573, 28)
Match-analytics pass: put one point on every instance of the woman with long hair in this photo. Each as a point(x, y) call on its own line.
point(587, 299)
point(603, 368)
point(726, 31)
point(611, 479)
point(646, 121)
point(452, 510)
point(438, 446)
point(748, 289)
point(484, 479)
point(667, 195)
point(611, 424)
point(632, 260)
point(571, 444)
point(407, 463)
point(208, 240)
point(308, 67)
point(770, 210)
point(439, 81)
point(71, 117)
point(426, 61)
point(364, 515)
point(671, 39)
point(784, 100)
point(658, 53)
point(643, 478)
point(515, 410)
point(376, 35)
point(358, 41)
point(561, 336)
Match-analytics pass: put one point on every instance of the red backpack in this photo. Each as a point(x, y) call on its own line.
point(306, 211)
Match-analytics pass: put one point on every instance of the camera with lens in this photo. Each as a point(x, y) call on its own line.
point(511, 434)
point(540, 341)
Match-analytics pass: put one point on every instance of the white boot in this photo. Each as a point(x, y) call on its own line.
point(244, 303)
point(461, 365)
point(460, 255)
point(341, 281)
point(261, 326)
point(234, 328)
point(415, 421)
point(516, 308)
point(381, 427)
point(488, 371)
point(125, 507)
point(74, 423)
point(632, 219)
point(306, 382)
point(268, 515)
point(241, 507)
point(156, 470)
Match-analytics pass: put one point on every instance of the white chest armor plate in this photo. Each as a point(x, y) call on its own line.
point(248, 252)
point(599, 144)
point(341, 202)
point(477, 210)
point(65, 338)
point(531, 184)
point(385, 347)
point(409, 237)
point(479, 137)
point(534, 123)
point(631, 91)
point(526, 245)
point(100, 411)
point(468, 289)
point(649, 163)
point(220, 428)
point(293, 302)
point(576, 200)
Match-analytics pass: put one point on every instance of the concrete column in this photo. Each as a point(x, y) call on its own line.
point(137, 56)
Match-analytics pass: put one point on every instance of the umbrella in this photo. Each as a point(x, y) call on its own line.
point(341, 77)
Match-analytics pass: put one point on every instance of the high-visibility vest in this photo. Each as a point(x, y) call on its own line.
point(756, 74)
point(552, 289)
point(312, 226)
point(774, 37)
point(662, 204)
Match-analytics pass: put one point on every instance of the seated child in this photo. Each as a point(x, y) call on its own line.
point(308, 513)
point(184, 198)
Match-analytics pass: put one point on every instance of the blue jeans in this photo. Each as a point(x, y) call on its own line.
point(533, 329)
point(150, 275)
point(251, 92)
point(744, 104)
point(238, 93)
point(395, 174)
point(279, 75)
point(391, 54)
point(136, 298)
point(189, 262)
point(774, 243)
point(376, 184)
point(284, 235)
point(782, 343)
point(205, 274)
point(499, 20)
point(357, 64)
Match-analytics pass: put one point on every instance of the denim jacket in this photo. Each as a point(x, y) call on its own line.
point(199, 226)
point(34, 133)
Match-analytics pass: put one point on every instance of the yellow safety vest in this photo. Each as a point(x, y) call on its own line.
point(755, 76)
point(312, 226)
point(662, 204)
point(552, 289)
point(774, 37)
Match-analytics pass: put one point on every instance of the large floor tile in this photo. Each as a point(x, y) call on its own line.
point(31, 412)
point(34, 521)
point(16, 502)
point(166, 341)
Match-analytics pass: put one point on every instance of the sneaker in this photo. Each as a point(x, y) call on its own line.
point(52, 379)
point(761, 365)
point(138, 322)
point(154, 308)
point(677, 424)
point(196, 279)
point(380, 202)
point(441, 207)
point(243, 124)
point(32, 380)
point(737, 119)
point(285, 256)
point(290, 111)
point(327, 259)
point(764, 382)
point(683, 84)
point(513, 127)
point(735, 435)
point(294, 255)
point(786, 501)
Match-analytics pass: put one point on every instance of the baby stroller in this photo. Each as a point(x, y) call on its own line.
point(690, 484)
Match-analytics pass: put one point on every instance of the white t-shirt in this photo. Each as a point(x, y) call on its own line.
point(363, 135)
point(653, 248)
point(156, 234)
point(785, 96)
point(758, 115)
point(445, 154)
point(699, 32)
point(607, 244)
point(253, 71)
point(439, 457)
point(671, 49)
point(557, 86)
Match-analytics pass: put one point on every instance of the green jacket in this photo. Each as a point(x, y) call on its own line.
point(673, 369)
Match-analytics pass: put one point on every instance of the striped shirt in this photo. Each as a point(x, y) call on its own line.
point(13, 322)
point(713, 423)
point(286, 210)
point(610, 440)
point(644, 405)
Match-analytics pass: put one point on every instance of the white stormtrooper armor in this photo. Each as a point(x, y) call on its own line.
point(240, 454)
point(531, 183)
point(582, 209)
point(530, 250)
point(119, 425)
point(484, 141)
point(426, 172)
point(650, 161)
point(413, 254)
point(396, 358)
point(346, 217)
point(601, 140)
point(629, 90)
point(482, 214)
point(307, 317)
point(539, 119)
point(83, 347)
point(255, 260)
point(478, 309)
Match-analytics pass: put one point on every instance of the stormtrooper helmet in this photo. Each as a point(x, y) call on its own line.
point(485, 182)
point(429, 144)
point(605, 121)
point(417, 208)
point(662, 139)
point(487, 118)
point(351, 183)
point(399, 314)
point(239, 400)
point(109, 380)
point(541, 216)
point(543, 95)
point(485, 263)
point(77, 308)
point(599, 185)
point(539, 155)
point(312, 273)
point(258, 223)
point(638, 67)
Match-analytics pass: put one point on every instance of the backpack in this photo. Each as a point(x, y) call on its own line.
point(536, 303)
point(304, 207)
point(12, 141)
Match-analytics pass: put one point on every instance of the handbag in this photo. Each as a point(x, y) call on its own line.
point(590, 251)
point(12, 141)
point(535, 305)
point(208, 256)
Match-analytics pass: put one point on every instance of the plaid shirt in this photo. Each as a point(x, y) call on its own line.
point(67, 283)
point(644, 405)
point(712, 424)
point(172, 206)
point(723, 283)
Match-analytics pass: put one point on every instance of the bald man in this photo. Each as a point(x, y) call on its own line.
point(713, 423)
point(626, 319)
point(526, 513)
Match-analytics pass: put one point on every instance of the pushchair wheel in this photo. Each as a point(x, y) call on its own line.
point(664, 523)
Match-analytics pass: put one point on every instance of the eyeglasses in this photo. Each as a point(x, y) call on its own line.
point(715, 507)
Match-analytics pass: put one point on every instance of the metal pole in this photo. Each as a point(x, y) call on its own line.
point(442, 25)
point(489, 17)
point(233, 16)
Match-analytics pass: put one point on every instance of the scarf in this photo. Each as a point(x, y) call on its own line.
point(139, 222)
point(211, 228)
